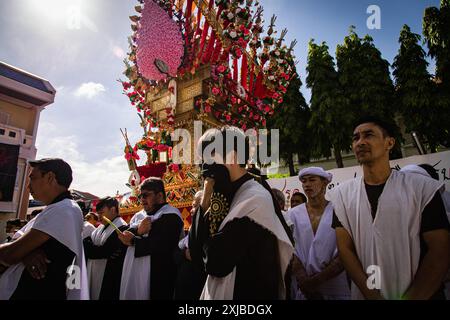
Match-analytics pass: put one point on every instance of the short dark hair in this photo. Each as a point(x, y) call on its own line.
point(430, 170)
point(389, 129)
point(34, 213)
point(107, 202)
point(300, 195)
point(61, 169)
point(154, 184)
point(224, 133)
point(14, 223)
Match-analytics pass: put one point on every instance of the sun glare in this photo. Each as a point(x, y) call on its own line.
point(61, 13)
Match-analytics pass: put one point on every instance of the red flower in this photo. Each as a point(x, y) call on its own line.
point(221, 69)
point(228, 117)
point(215, 91)
point(162, 148)
point(242, 43)
point(275, 95)
point(207, 108)
point(150, 144)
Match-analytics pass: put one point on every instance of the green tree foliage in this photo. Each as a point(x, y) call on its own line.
point(436, 26)
point(330, 125)
point(292, 120)
point(365, 80)
point(414, 89)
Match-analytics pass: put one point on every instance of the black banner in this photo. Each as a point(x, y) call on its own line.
point(9, 156)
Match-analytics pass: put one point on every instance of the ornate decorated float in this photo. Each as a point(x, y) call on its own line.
point(195, 60)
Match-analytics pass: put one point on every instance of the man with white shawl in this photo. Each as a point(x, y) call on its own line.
point(105, 252)
point(318, 271)
point(149, 270)
point(391, 227)
point(47, 261)
point(237, 236)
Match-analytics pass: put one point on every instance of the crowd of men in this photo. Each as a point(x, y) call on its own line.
point(384, 235)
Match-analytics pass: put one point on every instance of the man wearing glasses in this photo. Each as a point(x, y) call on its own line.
point(149, 270)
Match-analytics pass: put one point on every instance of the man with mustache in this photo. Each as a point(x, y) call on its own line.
point(391, 227)
point(149, 270)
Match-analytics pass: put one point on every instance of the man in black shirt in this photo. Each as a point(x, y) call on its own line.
point(390, 220)
point(237, 236)
point(149, 270)
point(49, 243)
point(105, 252)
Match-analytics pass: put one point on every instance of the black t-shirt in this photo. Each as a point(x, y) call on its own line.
point(53, 285)
point(374, 193)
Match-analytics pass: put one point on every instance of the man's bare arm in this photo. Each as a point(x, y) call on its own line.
point(433, 268)
point(332, 270)
point(352, 264)
point(14, 252)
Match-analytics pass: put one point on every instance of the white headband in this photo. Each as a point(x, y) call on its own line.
point(315, 171)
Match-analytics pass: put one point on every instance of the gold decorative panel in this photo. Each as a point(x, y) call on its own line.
point(190, 92)
point(160, 104)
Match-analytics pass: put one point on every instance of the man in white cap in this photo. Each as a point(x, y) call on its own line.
point(391, 227)
point(318, 272)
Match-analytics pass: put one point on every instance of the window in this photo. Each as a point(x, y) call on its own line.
point(12, 134)
point(2, 132)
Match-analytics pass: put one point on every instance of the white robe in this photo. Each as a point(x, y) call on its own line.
point(135, 282)
point(88, 229)
point(254, 202)
point(391, 241)
point(63, 221)
point(317, 251)
point(96, 267)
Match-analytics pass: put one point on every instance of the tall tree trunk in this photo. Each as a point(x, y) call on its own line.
point(302, 159)
point(338, 157)
point(290, 161)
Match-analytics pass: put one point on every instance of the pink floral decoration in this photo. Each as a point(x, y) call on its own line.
point(159, 38)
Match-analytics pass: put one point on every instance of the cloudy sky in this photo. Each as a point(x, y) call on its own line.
point(82, 58)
